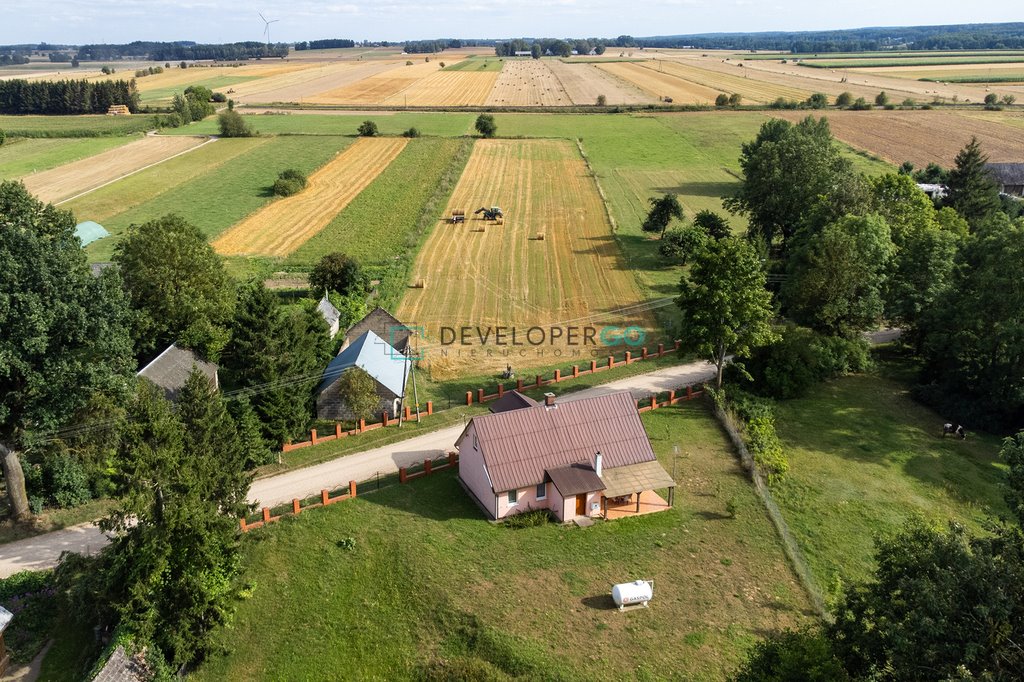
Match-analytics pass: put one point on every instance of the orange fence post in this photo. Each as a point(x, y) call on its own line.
point(661, 349)
point(469, 397)
point(323, 497)
point(480, 395)
point(296, 508)
point(362, 425)
point(689, 392)
point(384, 417)
point(575, 371)
point(266, 515)
point(337, 430)
point(519, 384)
point(593, 366)
point(451, 458)
point(643, 353)
point(352, 488)
point(501, 390)
point(430, 407)
point(427, 467)
point(678, 344)
point(241, 523)
point(671, 397)
point(540, 381)
point(654, 402)
point(611, 361)
point(629, 357)
point(408, 413)
point(558, 375)
point(312, 436)
point(401, 475)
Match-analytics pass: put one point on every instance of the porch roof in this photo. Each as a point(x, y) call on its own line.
point(635, 478)
point(575, 479)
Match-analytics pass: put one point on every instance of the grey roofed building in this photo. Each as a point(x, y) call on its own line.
point(1009, 177)
point(384, 325)
point(170, 370)
point(512, 400)
point(376, 357)
point(331, 315)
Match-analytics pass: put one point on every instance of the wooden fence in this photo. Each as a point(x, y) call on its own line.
point(671, 398)
point(361, 427)
point(297, 508)
point(404, 475)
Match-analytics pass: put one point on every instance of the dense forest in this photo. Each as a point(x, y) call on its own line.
point(66, 97)
point(328, 44)
point(180, 50)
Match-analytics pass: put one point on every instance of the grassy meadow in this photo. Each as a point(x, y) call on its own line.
point(432, 586)
point(329, 123)
point(75, 126)
point(21, 156)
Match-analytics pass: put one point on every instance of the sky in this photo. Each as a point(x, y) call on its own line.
point(218, 21)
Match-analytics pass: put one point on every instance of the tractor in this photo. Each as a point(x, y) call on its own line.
point(492, 213)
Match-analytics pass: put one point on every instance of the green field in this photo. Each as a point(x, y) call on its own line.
point(1001, 78)
point(440, 124)
point(229, 192)
point(215, 83)
point(380, 222)
point(430, 579)
point(865, 458)
point(74, 126)
point(23, 155)
point(477, 64)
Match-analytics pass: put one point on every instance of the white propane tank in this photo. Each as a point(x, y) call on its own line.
point(632, 594)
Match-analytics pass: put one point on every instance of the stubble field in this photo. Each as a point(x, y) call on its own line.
point(528, 83)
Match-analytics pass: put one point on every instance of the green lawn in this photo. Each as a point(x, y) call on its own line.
point(74, 126)
point(478, 64)
point(430, 580)
point(864, 458)
point(229, 192)
point(21, 156)
point(429, 123)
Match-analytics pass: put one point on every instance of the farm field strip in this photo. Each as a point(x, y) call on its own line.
point(147, 185)
point(447, 88)
point(376, 88)
point(504, 276)
point(287, 223)
point(921, 137)
point(76, 178)
point(89, 125)
point(528, 83)
point(911, 61)
point(662, 84)
point(23, 155)
point(585, 82)
point(751, 89)
point(317, 78)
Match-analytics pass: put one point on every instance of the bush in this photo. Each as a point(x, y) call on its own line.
point(818, 100)
point(65, 481)
point(3, 136)
point(881, 99)
point(735, 99)
point(411, 132)
point(367, 129)
point(860, 104)
point(844, 100)
point(219, 97)
point(485, 125)
point(722, 100)
point(602, 101)
point(766, 449)
point(233, 125)
point(530, 518)
point(289, 182)
point(804, 655)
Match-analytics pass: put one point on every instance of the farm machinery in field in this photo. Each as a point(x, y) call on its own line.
point(493, 213)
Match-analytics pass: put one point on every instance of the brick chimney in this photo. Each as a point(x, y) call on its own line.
point(549, 400)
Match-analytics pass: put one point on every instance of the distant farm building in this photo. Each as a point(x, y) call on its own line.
point(170, 370)
point(933, 191)
point(89, 231)
point(523, 53)
point(118, 110)
point(580, 458)
point(1009, 177)
point(385, 365)
point(330, 314)
point(385, 325)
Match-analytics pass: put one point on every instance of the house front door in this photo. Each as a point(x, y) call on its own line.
point(581, 505)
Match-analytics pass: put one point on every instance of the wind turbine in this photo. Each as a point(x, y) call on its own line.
point(266, 29)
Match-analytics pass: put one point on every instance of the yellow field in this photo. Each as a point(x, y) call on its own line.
point(661, 84)
point(584, 82)
point(377, 88)
point(505, 276)
point(752, 90)
point(299, 86)
point(528, 83)
point(74, 179)
point(447, 88)
point(286, 224)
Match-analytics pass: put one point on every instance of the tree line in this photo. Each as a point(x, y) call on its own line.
point(557, 47)
point(178, 51)
point(19, 96)
point(327, 44)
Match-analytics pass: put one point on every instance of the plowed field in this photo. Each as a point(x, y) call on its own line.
point(661, 84)
point(584, 82)
point(528, 83)
point(286, 224)
point(447, 88)
point(503, 276)
point(921, 137)
point(75, 179)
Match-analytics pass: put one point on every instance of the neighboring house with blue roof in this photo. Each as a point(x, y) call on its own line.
point(376, 357)
point(89, 231)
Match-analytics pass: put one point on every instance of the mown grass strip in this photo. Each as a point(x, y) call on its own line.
point(389, 123)
point(216, 200)
point(75, 126)
point(20, 156)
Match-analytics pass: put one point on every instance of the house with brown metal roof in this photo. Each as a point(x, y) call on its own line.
point(578, 458)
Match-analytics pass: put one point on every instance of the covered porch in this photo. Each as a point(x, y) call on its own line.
point(629, 490)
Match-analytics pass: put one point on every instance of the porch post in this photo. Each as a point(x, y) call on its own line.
point(638, 502)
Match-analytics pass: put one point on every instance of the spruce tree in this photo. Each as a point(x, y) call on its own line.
point(970, 189)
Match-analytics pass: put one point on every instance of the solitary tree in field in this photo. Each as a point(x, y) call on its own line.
point(722, 100)
point(726, 308)
point(662, 212)
point(233, 125)
point(844, 99)
point(358, 391)
point(881, 99)
point(818, 100)
point(367, 129)
point(486, 126)
point(602, 100)
point(65, 334)
point(535, 50)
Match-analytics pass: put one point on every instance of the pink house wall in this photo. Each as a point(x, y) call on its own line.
point(473, 472)
point(527, 500)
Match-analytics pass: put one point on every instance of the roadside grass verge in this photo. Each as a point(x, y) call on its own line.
point(864, 458)
point(218, 199)
point(75, 126)
point(430, 586)
point(51, 519)
point(21, 156)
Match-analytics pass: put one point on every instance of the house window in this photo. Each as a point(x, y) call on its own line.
point(513, 497)
point(542, 491)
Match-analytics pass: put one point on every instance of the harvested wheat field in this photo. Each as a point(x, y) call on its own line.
point(447, 88)
point(921, 137)
point(752, 90)
point(287, 223)
point(376, 88)
point(63, 183)
point(528, 83)
point(483, 274)
point(661, 84)
point(300, 86)
point(585, 82)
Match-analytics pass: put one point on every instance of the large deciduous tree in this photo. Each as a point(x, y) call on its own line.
point(178, 286)
point(725, 305)
point(337, 272)
point(64, 338)
point(837, 276)
point(787, 170)
point(663, 210)
point(971, 191)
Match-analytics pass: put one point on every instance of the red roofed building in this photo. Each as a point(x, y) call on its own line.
point(575, 458)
